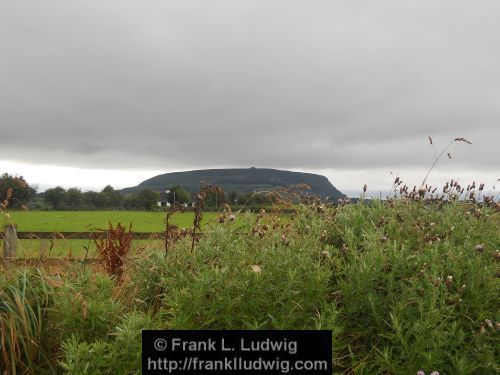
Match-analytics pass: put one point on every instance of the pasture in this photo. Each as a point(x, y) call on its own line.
point(86, 221)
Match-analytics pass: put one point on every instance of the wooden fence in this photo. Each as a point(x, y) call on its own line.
point(10, 236)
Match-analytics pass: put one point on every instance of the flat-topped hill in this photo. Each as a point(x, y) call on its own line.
point(240, 180)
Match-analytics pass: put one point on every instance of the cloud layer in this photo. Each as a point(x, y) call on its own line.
point(289, 84)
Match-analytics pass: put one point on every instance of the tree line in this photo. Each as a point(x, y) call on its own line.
point(59, 198)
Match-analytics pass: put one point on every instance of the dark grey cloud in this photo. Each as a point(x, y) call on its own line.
point(289, 84)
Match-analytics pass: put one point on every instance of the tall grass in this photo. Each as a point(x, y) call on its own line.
point(23, 309)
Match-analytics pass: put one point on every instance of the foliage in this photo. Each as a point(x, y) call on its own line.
point(180, 194)
point(24, 300)
point(119, 355)
point(112, 247)
point(74, 198)
point(55, 197)
point(84, 306)
point(21, 192)
point(146, 199)
point(406, 284)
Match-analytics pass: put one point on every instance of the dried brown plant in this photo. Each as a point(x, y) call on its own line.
point(113, 246)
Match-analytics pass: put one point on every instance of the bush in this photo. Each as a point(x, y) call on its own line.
point(233, 281)
point(120, 355)
point(404, 284)
point(84, 306)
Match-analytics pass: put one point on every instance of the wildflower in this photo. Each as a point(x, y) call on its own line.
point(449, 281)
point(284, 240)
point(436, 282)
point(434, 373)
point(479, 248)
point(344, 249)
point(421, 372)
point(461, 289)
point(256, 268)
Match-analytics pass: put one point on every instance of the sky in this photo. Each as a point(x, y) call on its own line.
point(97, 92)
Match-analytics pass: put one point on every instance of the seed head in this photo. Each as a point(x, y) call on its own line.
point(449, 281)
point(344, 249)
point(256, 268)
point(482, 329)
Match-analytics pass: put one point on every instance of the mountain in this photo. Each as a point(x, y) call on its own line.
point(240, 180)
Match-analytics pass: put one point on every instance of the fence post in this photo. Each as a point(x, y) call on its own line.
point(10, 241)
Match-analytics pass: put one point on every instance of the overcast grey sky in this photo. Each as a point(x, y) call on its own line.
point(98, 92)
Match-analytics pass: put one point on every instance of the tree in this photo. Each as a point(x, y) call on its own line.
point(22, 193)
point(74, 198)
point(55, 197)
point(214, 199)
point(147, 199)
point(91, 199)
point(130, 202)
point(180, 194)
point(111, 197)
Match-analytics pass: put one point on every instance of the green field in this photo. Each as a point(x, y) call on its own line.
point(86, 221)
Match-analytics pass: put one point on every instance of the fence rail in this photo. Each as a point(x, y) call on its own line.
point(79, 235)
point(10, 236)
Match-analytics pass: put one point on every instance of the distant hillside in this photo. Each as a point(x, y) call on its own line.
point(240, 180)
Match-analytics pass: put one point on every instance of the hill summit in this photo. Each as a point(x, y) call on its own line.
point(240, 180)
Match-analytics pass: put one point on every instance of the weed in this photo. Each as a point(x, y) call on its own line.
point(113, 246)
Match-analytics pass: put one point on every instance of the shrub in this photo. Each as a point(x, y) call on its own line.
point(120, 355)
point(84, 306)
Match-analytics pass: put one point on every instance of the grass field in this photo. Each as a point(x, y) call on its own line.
point(86, 221)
